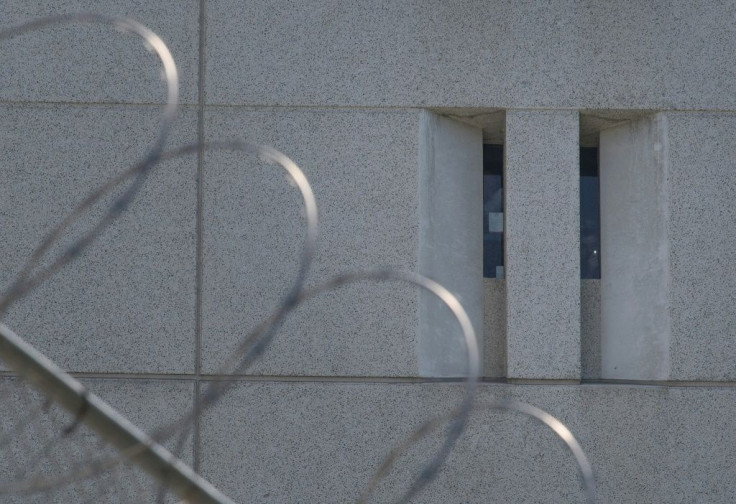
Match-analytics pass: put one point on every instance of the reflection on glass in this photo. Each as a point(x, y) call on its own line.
point(590, 217)
point(493, 211)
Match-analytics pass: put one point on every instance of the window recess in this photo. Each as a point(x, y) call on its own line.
point(493, 220)
point(590, 214)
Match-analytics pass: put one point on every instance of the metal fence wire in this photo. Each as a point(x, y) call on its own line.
point(59, 442)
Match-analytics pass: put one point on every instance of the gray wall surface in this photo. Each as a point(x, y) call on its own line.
point(319, 441)
point(450, 246)
point(369, 218)
point(590, 328)
point(702, 254)
point(149, 312)
point(635, 322)
point(568, 54)
point(494, 327)
point(667, 231)
point(128, 305)
point(542, 244)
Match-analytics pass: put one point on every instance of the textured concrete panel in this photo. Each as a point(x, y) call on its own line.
point(700, 431)
point(494, 327)
point(363, 166)
point(590, 328)
point(702, 241)
point(668, 293)
point(320, 442)
point(148, 404)
point(127, 304)
point(611, 54)
point(635, 320)
point(95, 63)
point(320, 53)
point(542, 241)
point(450, 245)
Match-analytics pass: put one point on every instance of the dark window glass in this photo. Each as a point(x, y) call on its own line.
point(590, 214)
point(493, 211)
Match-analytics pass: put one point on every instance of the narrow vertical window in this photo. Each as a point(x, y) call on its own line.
point(493, 211)
point(590, 214)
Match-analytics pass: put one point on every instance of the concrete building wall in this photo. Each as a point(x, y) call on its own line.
point(635, 323)
point(667, 230)
point(345, 90)
point(542, 244)
point(450, 247)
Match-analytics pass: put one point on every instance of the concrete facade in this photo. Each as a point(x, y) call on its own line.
point(542, 243)
point(666, 229)
point(635, 322)
point(450, 247)
point(386, 106)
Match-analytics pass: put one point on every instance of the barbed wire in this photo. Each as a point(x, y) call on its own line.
point(257, 341)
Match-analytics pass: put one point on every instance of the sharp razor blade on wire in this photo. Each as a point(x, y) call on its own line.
point(145, 451)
